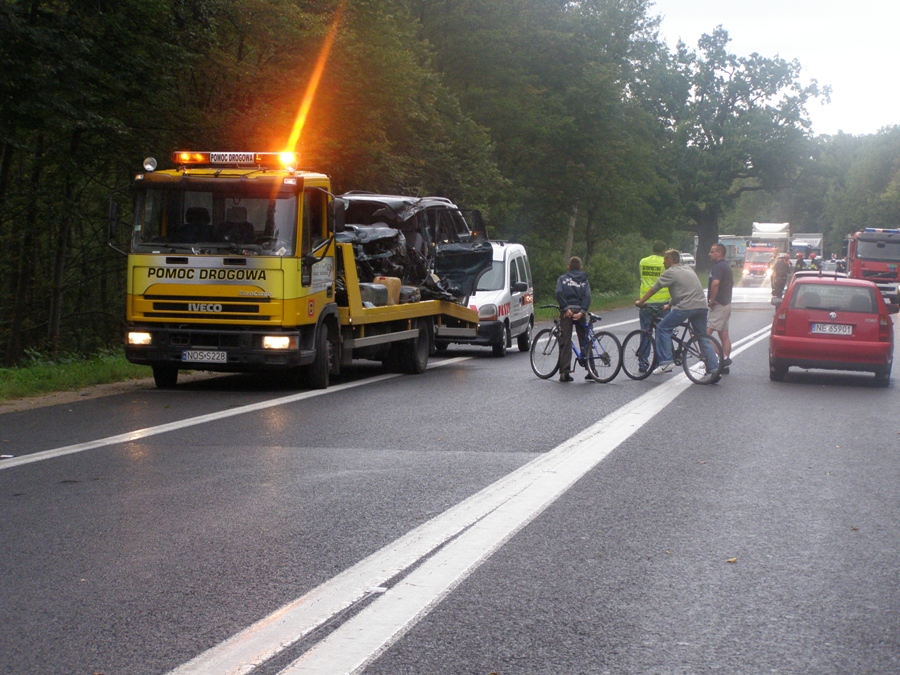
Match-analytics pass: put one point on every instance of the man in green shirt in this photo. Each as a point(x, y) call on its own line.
point(651, 268)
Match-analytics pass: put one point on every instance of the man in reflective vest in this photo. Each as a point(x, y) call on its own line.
point(650, 269)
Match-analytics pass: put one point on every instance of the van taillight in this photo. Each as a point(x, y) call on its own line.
point(780, 323)
point(885, 332)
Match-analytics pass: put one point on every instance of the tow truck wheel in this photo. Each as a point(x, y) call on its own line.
point(414, 358)
point(165, 377)
point(317, 373)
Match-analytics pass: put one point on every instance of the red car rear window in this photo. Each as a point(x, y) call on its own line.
point(836, 298)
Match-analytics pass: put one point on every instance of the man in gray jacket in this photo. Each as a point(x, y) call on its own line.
point(688, 304)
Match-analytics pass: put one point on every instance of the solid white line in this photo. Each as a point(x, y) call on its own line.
point(492, 516)
point(505, 506)
point(202, 419)
point(364, 637)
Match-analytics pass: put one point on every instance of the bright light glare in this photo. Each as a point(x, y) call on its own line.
point(313, 85)
point(139, 338)
point(276, 342)
point(288, 159)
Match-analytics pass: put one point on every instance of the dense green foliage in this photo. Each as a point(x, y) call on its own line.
point(571, 126)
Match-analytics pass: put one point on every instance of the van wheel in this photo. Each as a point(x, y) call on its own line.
point(165, 377)
point(500, 349)
point(524, 339)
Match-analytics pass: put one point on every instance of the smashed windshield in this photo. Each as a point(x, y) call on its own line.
point(215, 221)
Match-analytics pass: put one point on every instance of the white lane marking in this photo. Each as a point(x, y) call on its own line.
point(264, 639)
point(202, 419)
point(491, 517)
point(620, 323)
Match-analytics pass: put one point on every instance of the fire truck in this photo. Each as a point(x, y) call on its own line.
point(240, 262)
point(874, 254)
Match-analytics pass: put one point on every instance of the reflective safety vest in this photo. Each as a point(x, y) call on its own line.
point(651, 267)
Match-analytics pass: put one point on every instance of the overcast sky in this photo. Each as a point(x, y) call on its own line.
point(851, 45)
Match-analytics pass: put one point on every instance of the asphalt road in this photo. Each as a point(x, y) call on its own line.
point(473, 519)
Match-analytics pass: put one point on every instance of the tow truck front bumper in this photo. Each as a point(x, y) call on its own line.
point(198, 348)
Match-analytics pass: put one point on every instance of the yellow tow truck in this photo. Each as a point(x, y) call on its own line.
point(239, 262)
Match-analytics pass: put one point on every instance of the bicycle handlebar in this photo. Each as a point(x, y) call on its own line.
point(594, 317)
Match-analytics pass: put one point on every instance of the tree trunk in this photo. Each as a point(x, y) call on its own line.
point(707, 235)
point(25, 262)
point(61, 252)
point(589, 235)
point(570, 238)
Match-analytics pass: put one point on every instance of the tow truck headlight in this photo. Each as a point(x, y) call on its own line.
point(745, 272)
point(139, 338)
point(488, 312)
point(278, 342)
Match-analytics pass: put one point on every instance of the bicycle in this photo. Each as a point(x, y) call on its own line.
point(639, 353)
point(602, 357)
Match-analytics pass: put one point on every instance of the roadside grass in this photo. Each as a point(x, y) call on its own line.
point(45, 377)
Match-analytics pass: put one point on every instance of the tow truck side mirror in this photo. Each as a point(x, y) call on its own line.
point(337, 214)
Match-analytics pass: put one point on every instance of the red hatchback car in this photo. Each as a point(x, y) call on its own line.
point(835, 324)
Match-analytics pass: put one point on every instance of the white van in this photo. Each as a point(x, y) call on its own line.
point(504, 300)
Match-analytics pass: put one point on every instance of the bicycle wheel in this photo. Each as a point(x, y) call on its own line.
point(605, 356)
point(545, 353)
point(696, 356)
point(638, 354)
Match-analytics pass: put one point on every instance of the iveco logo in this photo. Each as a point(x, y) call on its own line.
point(204, 307)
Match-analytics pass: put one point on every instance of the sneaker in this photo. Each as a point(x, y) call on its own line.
point(726, 362)
point(589, 377)
point(664, 368)
point(566, 378)
point(707, 379)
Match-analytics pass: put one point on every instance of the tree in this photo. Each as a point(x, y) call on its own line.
point(743, 127)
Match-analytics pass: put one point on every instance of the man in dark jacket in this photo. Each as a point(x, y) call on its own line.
point(573, 294)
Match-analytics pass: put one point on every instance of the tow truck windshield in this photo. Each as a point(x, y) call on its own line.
point(214, 221)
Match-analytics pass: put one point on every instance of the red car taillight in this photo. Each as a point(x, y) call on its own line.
point(779, 327)
point(885, 332)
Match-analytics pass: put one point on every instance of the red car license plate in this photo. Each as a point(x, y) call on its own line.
point(832, 328)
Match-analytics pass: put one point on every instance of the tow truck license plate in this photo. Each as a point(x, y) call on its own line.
point(832, 328)
point(192, 356)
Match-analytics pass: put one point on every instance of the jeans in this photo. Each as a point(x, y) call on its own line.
point(646, 314)
point(675, 317)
